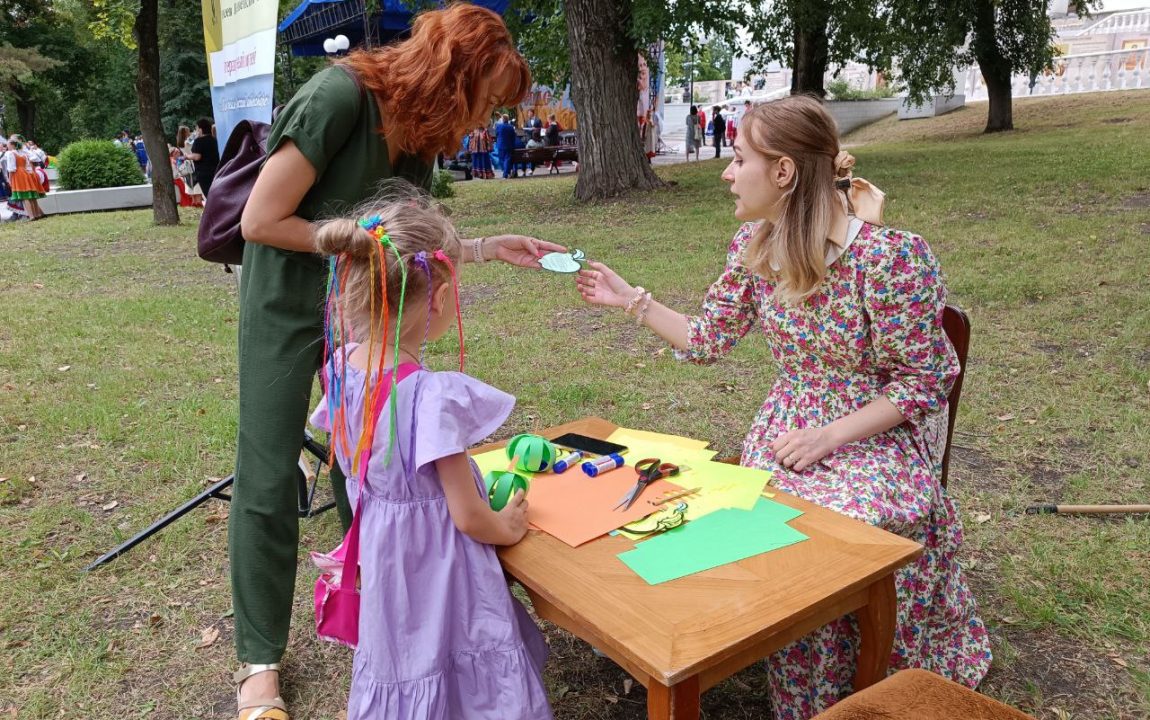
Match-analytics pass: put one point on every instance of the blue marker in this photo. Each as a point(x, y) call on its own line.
point(603, 464)
point(564, 463)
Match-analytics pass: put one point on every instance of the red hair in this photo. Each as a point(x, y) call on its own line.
point(428, 83)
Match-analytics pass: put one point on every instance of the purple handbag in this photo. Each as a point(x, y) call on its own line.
point(219, 238)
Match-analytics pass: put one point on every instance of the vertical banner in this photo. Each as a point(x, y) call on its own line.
point(240, 39)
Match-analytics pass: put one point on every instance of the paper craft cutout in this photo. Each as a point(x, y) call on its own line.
point(576, 508)
point(562, 262)
point(720, 538)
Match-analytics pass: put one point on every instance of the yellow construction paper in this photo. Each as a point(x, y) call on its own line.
point(635, 435)
point(639, 448)
point(721, 486)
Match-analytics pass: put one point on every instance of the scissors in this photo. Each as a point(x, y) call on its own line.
point(649, 471)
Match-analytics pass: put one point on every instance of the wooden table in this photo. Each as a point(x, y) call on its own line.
point(682, 637)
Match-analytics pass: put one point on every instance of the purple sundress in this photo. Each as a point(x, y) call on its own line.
point(440, 635)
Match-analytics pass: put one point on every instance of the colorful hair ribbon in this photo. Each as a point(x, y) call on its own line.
point(442, 257)
point(420, 259)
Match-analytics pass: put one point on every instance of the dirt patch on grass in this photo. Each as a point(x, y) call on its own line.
point(1045, 673)
point(978, 470)
point(476, 293)
point(1138, 200)
point(584, 321)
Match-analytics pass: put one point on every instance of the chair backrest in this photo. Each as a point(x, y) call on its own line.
point(956, 325)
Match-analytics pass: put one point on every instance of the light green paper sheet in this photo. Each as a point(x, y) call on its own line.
point(722, 537)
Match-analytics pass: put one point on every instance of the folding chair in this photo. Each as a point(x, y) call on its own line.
point(956, 325)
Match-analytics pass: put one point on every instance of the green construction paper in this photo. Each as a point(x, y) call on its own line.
point(722, 537)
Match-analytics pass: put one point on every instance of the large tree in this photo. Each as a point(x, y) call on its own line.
point(137, 25)
point(813, 36)
point(1005, 38)
point(596, 43)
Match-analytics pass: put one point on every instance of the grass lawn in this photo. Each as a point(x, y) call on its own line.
point(118, 397)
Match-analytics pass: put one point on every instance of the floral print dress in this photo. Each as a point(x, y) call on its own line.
point(873, 328)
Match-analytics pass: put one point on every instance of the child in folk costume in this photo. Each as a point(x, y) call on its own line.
point(439, 634)
point(27, 187)
point(481, 153)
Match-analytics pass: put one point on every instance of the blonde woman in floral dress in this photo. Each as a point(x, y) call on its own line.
point(856, 420)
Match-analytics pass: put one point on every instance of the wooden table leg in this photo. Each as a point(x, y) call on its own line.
point(678, 702)
point(876, 627)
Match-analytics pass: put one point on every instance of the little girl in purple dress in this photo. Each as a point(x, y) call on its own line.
point(440, 635)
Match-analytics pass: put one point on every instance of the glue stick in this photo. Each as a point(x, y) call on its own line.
point(564, 463)
point(603, 464)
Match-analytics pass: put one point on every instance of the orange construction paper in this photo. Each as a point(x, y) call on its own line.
point(576, 508)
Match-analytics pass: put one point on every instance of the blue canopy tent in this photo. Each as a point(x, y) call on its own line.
point(364, 22)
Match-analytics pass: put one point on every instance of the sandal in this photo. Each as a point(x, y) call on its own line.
point(262, 708)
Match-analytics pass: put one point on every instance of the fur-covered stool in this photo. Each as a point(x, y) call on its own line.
point(920, 695)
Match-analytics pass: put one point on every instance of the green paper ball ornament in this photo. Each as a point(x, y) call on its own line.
point(536, 454)
point(502, 486)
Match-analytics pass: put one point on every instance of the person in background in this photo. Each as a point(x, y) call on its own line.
point(206, 154)
point(856, 419)
point(649, 132)
point(26, 186)
point(718, 129)
point(553, 130)
point(505, 137)
point(694, 133)
point(481, 153)
point(141, 154)
point(731, 126)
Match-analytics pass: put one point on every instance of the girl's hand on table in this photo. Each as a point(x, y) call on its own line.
point(514, 517)
point(602, 286)
point(799, 449)
point(519, 250)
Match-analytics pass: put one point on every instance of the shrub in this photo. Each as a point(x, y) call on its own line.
point(441, 184)
point(843, 90)
point(90, 164)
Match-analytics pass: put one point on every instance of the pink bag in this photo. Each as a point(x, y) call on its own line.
point(337, 588)
point(337, 603)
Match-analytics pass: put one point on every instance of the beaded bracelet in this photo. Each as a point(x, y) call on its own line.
point(643, 310)
point(631, 303)
point(477, 249)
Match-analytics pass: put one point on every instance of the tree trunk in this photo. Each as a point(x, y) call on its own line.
point(995, 68)
point(164, 210)
point(811, 49)
point(604, 88)
point(26, 115)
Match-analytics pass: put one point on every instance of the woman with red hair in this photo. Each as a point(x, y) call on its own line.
point(384, 113)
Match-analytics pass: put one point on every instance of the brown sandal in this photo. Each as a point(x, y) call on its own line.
point(262, 708)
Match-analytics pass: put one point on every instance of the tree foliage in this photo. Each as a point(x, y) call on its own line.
point(60, 82)
point(711, 60)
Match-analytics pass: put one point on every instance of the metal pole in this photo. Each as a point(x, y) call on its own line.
point(691, 77)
